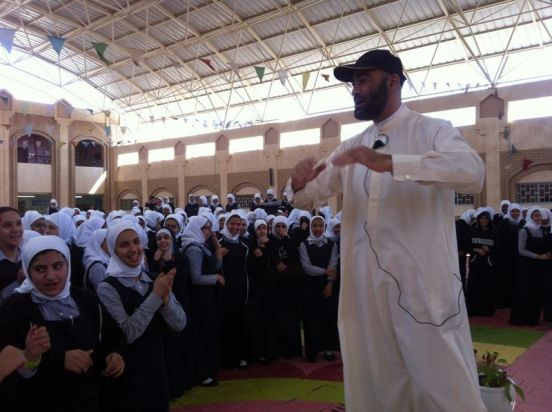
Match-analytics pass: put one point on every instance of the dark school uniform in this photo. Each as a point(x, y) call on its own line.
point(506, 262)
point(52, 387)
point(234, 298)
point(480, 293)
point(528, 295)
point(204, 312)
point(288, 290)
point(318, 319)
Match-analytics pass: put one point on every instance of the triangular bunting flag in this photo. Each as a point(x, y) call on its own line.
point(151, 118)
point(62, 143)
point(448, 85)
point(29, 129)
point(107, 130)
point(135, 55)
point(306, 77)
point(260, 72)
point(100, 49)
point(85, 143)
point(513, 149)
point(526, 163)
point(123, 129)
point(326, 77)
point(107, 113)
point(91, 111)
point(6, 38)
point(235, 69)
point(282, 75)
point(434, 85)
point(57, 43)
point(92, 143)
point(208, 63)
point(466, 88)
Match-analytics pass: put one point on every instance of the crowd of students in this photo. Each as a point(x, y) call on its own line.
point(506, 262)
point(126, 311)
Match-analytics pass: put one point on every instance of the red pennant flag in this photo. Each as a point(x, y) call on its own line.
point(326, 77)
point(526, 163)
point(208, 63)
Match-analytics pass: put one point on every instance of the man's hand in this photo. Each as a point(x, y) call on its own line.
point(78, 361)
point(305, 172)
point(373, 160)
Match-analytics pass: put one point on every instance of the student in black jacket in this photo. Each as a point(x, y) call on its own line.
point(11, 236)
point(85, 342)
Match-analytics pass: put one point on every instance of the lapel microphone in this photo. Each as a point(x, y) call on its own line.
point(381, 141)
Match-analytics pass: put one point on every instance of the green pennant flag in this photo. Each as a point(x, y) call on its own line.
point(100, 49)
point(260, 72)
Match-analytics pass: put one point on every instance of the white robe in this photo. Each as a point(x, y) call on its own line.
point(403, 325)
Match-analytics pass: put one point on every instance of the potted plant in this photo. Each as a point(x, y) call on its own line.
point(497, 389)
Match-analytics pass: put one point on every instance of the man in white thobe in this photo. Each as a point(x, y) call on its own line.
point(403, 325)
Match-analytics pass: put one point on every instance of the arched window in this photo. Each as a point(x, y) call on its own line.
point(89, 153)
point(34, 149)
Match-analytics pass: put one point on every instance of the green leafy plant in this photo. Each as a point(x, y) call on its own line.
point(492, 374)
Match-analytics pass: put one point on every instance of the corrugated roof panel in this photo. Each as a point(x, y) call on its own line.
point(327, 10)
point(352, 26)
point(210, 18)
point(276, 26)
point(53, 25)
point(130, 70)
point(146, 17)
point(119, 29)
point(247, 9)
point(84, 11)
point(229, 41)
point(168, 33)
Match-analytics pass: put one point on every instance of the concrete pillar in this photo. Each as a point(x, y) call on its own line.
point(143, 165)
point(5, 162)
point(490, 129)
point(221, 160)
point(180, 159)
point(65, 187)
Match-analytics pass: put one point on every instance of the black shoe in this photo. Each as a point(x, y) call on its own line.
point(330, 357)
point(209, 382)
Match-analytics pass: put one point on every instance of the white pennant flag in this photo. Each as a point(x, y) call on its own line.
point(235, 69)
point(282, 75)
point(135, 55)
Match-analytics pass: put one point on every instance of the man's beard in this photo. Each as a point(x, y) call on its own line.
point(372, 107)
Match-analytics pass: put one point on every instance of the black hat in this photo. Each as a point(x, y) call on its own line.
point(374, 59)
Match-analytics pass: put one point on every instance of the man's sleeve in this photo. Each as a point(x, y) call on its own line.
point(452, 163)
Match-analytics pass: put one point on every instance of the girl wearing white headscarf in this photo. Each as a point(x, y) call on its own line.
point(84, 232)
point(326, 212)
point(235, 293)
point(113, 216)
point(231, 205)
point(507, 257)
point(32, 220)
point(95, 260)
point(175, 223)
point(204, 266)
point(67, 376)
point(78, 220)
point(284, 261)
point(528, 298)
point(143, 308)
point(318, 257)
point(60, 224)
point(333, 229)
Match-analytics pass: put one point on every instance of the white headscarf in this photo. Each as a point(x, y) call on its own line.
point(329, 229)
point(468, 216)
point(179, 220)
point(85, 230)
point(502, 203)
point(204, 201)
point(257, 196)
point(218, 211)
point(231, 198)
point(260, 213)
point(509, 214)
point(293, 217)
point(318, 240)
point(64, 224)
point(54, 202)
point(230, 215)
point(139, 229)
point(29, 218)
point(270, 191)
point(193, 232)
point(114, 215)
point(251, 217)
point(338, 216)
point(260, 222)
point(545, 213)
point(28, 235)
point(327, 212)
point(97, 213)
point(215, 200)
point(135, 210)
point(94, 252)
point(33, 247)
point(529, 222)
point(278, 220)
point(167, 206)
point(68, 211)
point(116, 266)
point(78, 218)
